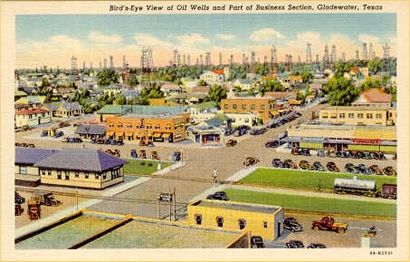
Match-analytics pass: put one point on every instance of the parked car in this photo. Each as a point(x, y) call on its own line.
point(134, 153)
point(374, 169)
point(176, 156)
point(331, 166)
point(288, 163)
point(220, 195)
point(379, 156)
point(363, 169)
point(321, 153)
point(389, 171)
point(73, 140)
point(257, 131)
point(303, 164)
point(63, 124)
point(276, 162)
point(292, 225)
point(250, 161)
point(294, 244)
point(18, 199)
point(257, 242)
point(231, 142)
point(318, 166)
point(328, 223)
point(349, 167)
point(343, 154)
point(272, 144)
point(240, 131)
point(316, 245)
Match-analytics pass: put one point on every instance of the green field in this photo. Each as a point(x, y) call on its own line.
point(313, 180)
point(314, 204)
point(143, 167)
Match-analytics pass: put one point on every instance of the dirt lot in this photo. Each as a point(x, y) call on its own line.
point(385, 237)
point(66, 201)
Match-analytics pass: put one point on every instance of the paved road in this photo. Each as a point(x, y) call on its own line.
point(199, 167)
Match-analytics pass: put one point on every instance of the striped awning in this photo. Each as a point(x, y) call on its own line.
point(110, 133)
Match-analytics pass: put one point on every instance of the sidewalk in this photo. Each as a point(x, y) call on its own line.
point(241, 174)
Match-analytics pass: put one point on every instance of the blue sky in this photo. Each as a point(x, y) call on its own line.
point(192, 33)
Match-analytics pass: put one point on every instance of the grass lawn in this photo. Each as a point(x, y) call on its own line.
point(315, 204)
point(304, 179)
point(143, 167)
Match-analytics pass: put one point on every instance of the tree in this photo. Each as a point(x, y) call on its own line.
point(201, 82)
point(216, 93)
point(307, 76)
point(340, 91)
point(45, 82)
point(120, 100)
point(269, 86)
point(107, 77)
point(370, 83)
point(375, 65)
point(133, 80)
point(341, 68)
point(152, 91)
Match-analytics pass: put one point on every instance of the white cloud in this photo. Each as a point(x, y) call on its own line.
point(193, 40)
point(366, 38)
point(225, 36)
point(98, 37)
point(144, 39)
point(265, 34)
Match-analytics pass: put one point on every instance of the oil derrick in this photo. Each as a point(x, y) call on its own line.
point(111, 62)
point(364, 52)
point(357, 55)
point(124, 63)
point(372, 54)
point(231, 60)
point(105, 63)
point(274, 60)
point(308, 53)
point(386, 57)
point(147, 64)
point(220, 59)
point(74, 69)
point(343, 57)
point(333, 56)
point(175, 60)
point(208, 59)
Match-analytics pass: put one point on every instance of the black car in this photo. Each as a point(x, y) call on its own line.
point(331, 166)
point(276, 162)
point(363, 169)
point(272, 144)
point(318, 166)
point(256, 132)
point(220, 195)
point(294, 244)
point(18, 199)
point(316, 245)
point(292, 225)
point(257, 242)
point(349, 167)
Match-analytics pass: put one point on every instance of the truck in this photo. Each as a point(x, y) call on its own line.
point(328, 223)
point(389, 191)
point(355, 186)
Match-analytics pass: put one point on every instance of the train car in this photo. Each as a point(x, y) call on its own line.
point(355, 186)
point(389, 191)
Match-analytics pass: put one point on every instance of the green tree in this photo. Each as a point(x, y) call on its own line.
point(107, 77)
point(152, 91)
point(270, 86)
point(120, 100)
point(133, 80)
point(307, 76)
point(370, 83)
point(201, 82)
point(375, 66)
point(216, 93)
point(340, 91)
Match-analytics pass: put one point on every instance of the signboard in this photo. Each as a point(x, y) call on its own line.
point(366, 141)
point(165, 197)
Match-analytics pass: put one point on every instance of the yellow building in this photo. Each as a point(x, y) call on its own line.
point(261, 220)
point(263, 107)
point(357, 115)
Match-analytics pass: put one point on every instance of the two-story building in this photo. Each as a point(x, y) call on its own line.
point(31, 117)
point(263, 107)
point(358, 115)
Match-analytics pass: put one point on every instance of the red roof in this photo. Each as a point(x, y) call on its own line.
point(376, 95)
point(31, 111)
point(218, 71)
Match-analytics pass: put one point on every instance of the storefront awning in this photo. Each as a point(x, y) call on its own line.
point(274, 113)
point(110, 133)
point(129, 133)
point(119, 133)
point(166, 135)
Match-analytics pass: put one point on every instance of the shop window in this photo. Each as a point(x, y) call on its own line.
point(198, 219)
point(265, 224)
point(58, 174)
point(262, 107)
point(104, 176)
point(43, 172)
point(324, 115)
point(241, 224)
point(244, 106)
point(220, 221)
point(77, 174)
point(378, 116)
point(369, 115)
point(350, 115)
point(234, 106)
point(86, 175)
point(360, 115)
point(342, 115)
point(49, 172)
point(253, 106)
point(97, 176)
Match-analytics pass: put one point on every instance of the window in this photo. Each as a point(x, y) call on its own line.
point(265, 224)
point(253, 106)
point(244, 106)
point(58, 174)
point(350, 115)
point(360, 115)
point(234, 106)
point(369, 115)
point(23, 170)
point(104, 176)
point(67, 176)
point(391, 114)
point(77, 174)
point(341, 115)
point(262, 107)
point(198, 219)
point(97, 176)
point(241, 224)
point(43, 172)
point(226, 106)
point(49, 172)
point(324, 115)
point(378, 115)
point(220, 221)
point(86, 175)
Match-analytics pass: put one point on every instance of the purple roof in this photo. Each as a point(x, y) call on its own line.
point(82, 159)
point(29, 156)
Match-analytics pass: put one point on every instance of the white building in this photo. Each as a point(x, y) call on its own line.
point(31, 117)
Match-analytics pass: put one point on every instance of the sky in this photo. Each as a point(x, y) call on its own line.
point(52, 39)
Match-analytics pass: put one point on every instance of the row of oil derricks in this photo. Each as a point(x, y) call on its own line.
point(34, 204)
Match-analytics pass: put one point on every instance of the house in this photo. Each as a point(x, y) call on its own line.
point(243, 84)
point(243, 119)
point(26, 174)
point(68, 109)
point(262, 220)
point(91, 131)
point(261, 106)
point(205, 134)
point(216, 76)
point(130, 94)
point(198, 94)
point(374, 97)
point(202, 111)
point(34, 101)
point(171, 89)
point(86, 168)
point(31, 117)
point(111, 89)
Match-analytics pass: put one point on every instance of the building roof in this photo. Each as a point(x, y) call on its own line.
point(71, 106)
point(52, 106)
point(81, 159)
point(91, 129)
point(31, 111)
point(31, 100)
point(18, 93)
point(238, 206)
point(141, 110)
point(27, 155)
point(200, 89)
point(218, 71)
point(205, 105)
point(130, 93)
point(279, 95)
point(356, 108)
point(374, 95)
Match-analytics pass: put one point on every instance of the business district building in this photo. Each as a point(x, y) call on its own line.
point(344, 137)
point(155, 123)
point(261, 220)
point(85, 168)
